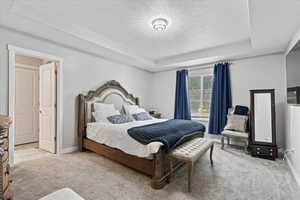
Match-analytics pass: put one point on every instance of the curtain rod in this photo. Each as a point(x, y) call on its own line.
point(210, 65)
point(205, 66)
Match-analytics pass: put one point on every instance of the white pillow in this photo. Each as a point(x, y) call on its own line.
point(131, 109)
point(236, 123)
point(99, 107)
point(102, 116)
point(140, 110)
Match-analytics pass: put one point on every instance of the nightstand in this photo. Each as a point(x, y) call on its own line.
point(155, 115)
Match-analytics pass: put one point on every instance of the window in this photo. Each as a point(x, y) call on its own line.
point(200, 90)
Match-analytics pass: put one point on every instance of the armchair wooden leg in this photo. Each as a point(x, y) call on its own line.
point(228, 140)
point(222, 142)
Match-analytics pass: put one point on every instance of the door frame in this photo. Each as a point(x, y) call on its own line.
point(13, 51)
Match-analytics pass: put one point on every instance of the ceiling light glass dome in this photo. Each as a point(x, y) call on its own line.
point(160, 24)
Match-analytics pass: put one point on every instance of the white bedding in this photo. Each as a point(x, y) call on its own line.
point(116, 136)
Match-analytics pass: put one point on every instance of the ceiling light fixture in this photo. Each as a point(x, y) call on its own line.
point(159, 24)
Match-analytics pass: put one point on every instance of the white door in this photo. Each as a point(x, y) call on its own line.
point(26, 104)
point(47, 108)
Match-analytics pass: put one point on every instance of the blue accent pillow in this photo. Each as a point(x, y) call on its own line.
point(142, 116)
point(120, 119)
point(241, 110)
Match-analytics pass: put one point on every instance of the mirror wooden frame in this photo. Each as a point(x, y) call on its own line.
point(273, 116)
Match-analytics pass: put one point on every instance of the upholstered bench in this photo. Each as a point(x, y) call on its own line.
point(63, 194)
point(190, 152)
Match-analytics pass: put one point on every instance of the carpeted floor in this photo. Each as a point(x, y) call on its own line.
point(235, 176)
point(28, 152)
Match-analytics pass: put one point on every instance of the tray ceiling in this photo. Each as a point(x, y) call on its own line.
point(121, 29)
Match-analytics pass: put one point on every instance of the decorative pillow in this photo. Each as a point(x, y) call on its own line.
point(102, 116)
point(236, 123)
point(142, 116)
point(141, 110)
point(241, 110)
point(120, 119)
point(132, 109)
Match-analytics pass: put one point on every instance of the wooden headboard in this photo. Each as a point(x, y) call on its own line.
point(112, 93)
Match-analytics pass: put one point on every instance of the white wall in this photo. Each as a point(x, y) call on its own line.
point(81, 73)
point(254, 73)
point(163, 92)
point(293, 139)
point(293, 69)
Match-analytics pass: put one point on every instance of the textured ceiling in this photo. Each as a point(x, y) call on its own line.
point(199, 31)
point(126, 24)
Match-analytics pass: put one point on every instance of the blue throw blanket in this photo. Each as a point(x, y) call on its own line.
point(171, 133)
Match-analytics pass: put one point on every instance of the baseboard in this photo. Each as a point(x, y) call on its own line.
point(69, 149)
point(296, 176)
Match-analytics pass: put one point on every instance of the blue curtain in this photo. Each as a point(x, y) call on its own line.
point(182, 102)
point(221, 99)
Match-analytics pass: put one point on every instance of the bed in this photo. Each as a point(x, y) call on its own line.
point(150, 159)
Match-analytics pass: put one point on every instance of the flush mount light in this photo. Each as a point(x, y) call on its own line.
point(159, 24)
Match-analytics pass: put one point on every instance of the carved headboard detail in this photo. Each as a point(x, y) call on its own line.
point(110, 85)
point(111, 92)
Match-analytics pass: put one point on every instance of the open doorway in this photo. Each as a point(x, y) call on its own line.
point(34, 104)
point(35, 107)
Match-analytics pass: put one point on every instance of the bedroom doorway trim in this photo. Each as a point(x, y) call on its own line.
point(13, 51)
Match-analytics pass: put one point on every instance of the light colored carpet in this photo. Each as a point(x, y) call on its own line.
point(28, 152)
point(235, 176)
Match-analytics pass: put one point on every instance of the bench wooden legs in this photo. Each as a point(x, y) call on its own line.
point(189, 154)
point(191, 167)
point(210, 155)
